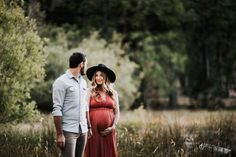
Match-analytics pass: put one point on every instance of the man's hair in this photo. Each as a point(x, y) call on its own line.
point(75, 59)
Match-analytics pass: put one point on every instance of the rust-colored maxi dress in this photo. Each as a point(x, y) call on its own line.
point(101, 115)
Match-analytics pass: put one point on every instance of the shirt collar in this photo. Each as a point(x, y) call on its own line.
point(71, 76)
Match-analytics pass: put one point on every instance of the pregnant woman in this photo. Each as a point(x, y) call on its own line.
point(103, 113)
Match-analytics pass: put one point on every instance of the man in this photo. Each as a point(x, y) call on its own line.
point(70, 108)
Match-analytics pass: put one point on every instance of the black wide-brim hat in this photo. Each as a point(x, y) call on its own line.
point(101, 67)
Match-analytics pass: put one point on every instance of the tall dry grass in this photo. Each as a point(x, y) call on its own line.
point(139, 134)
point(176, 133)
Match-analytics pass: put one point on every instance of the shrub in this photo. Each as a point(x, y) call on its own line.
point(22, 61)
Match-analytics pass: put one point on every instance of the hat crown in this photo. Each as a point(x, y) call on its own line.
point(102, 65)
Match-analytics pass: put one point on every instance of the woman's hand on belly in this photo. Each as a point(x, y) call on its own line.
point(107, 131)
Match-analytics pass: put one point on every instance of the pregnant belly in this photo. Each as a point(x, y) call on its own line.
point(101, 118)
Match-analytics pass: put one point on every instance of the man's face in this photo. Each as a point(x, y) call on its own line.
point(83, 67)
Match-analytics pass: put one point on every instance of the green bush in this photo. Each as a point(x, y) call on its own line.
point(21, 63)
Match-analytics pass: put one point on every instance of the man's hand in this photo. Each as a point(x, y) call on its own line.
point(90, 133)
point(61, 141)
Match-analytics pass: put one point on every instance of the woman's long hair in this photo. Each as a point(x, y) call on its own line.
point(106, 86)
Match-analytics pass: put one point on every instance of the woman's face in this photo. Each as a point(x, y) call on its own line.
point(99, 78)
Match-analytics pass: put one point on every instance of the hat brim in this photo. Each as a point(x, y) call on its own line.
point(110, 74)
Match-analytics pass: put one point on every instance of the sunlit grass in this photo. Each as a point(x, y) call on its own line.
point(140, 133)
point(35, 139)
point(167, 133)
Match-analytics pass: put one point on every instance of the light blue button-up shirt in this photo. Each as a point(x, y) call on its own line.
point(70, 101)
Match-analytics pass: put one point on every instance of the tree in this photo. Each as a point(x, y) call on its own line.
point(162, 60)
point(138, 21)
point(210, 37)
point(59, 46)
point(22, 62)
point(107, 16)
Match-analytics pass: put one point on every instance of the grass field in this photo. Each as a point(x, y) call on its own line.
point(139, 134)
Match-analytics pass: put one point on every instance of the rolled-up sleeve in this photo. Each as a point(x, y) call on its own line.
point(58, 95)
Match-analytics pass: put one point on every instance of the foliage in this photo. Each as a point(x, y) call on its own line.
point(162, 60)
point(123, 16)
point(210, 47)
point(61, 45)
point(21, 65)
point(182, 46)
point(147, 26)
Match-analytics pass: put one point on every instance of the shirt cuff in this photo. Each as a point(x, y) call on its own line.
point(56, 113)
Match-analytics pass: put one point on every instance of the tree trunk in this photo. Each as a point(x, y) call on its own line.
point(172, 99)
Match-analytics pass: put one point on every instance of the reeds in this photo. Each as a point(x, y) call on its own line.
point(139, 134)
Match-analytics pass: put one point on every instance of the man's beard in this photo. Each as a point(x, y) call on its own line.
point(82, 71)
